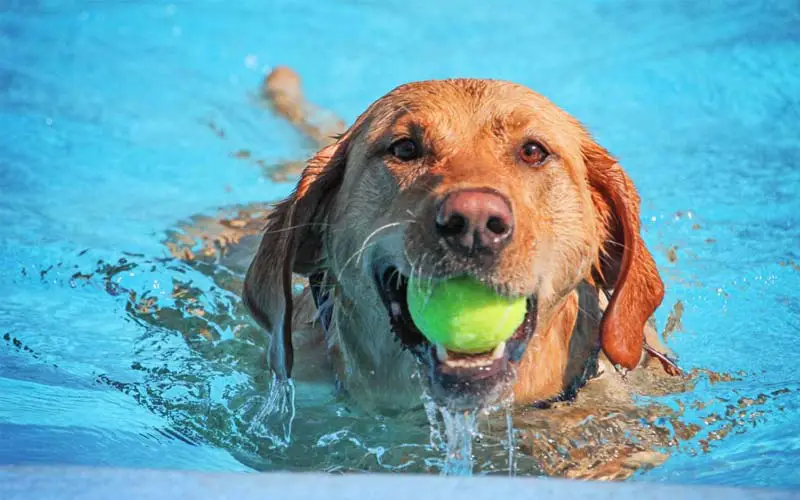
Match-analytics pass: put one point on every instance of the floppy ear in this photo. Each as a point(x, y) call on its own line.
point(624, 264)
point(292, 243)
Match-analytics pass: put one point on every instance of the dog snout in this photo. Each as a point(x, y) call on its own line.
point(475, 221)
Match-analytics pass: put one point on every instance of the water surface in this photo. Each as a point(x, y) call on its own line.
point(118, 120)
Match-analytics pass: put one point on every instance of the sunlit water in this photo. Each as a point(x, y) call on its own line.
point(119, 119)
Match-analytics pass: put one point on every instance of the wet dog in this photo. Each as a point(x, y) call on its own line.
point(460, 177)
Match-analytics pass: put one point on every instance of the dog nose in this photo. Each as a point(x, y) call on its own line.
point(475, 220)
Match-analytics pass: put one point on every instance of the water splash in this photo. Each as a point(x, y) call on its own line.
point(274, 417)
point(431, 410)
point(510, 442)
point(453, 435)
point(456, 442)
point(459, 429)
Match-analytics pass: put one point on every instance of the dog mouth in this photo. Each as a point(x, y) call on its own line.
point(455, 379)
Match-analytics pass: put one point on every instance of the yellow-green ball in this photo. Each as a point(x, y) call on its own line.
point(463, 315)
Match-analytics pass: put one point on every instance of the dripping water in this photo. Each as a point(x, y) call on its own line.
point(452, 433)
point(275, 414)
point(510, 442)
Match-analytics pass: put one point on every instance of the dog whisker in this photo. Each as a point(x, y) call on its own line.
point(298, 226)
point(396, 274)
point(375, 232)
point(355, 255)
point(358, 254)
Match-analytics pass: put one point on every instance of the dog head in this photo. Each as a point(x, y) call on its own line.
point(451, 178)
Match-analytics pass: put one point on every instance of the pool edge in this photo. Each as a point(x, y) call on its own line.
point(88, 483)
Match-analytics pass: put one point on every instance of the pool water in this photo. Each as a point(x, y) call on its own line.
point(120, 119)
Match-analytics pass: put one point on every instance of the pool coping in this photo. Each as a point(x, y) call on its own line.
point(96, 483)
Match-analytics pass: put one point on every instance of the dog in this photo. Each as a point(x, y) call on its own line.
point(447, 178)
point(596, 428)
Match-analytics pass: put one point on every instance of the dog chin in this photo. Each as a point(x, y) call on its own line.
point(456, 380)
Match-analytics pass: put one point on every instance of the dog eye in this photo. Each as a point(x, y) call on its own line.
point(533, 153)
point(405, 150)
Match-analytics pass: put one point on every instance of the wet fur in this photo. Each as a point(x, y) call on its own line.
point(577, 237)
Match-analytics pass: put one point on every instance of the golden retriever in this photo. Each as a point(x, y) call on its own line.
point(449, 178)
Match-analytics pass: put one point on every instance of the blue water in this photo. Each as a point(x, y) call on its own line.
point(105, 144)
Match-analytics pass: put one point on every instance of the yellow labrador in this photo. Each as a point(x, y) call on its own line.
point(448, 178)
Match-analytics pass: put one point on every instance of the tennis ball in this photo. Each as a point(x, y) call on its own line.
point(463, 315)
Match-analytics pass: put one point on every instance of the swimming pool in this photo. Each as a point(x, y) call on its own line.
point(121, 119)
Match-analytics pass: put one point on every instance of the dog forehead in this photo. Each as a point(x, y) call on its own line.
point(497, 105)
point(468, 90)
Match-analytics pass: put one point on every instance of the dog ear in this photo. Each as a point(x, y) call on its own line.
point(292, 243)
point(624, 264)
